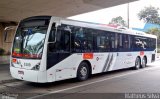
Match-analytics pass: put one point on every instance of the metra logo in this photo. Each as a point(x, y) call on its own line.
point(88, 56)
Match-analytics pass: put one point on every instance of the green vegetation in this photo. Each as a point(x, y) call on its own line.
point(119, 21)
point(149, 15)
point(154, 31)
point(2, 51)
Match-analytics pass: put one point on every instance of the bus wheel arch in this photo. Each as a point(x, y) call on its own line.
point(90, 67)
point(86, 66)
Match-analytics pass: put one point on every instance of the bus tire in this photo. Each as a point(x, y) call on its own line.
point(137, 63)
point(83, 71)
point(144, 62)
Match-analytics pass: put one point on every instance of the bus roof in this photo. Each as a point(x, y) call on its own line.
point(104, 27)
point(97, 26)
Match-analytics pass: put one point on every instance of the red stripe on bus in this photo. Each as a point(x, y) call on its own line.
point(141, 52)
point(88, 56)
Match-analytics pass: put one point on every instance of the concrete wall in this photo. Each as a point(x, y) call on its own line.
point(5, 46)
point(1, 39)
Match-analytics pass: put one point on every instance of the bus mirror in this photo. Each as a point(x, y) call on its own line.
point(8, 33)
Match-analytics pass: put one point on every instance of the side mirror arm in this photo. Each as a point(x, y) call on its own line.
point(6, 32)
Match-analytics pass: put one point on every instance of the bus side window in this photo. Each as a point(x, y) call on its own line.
point(78, 39)
point(88, 40)
point(153, 43)
point(119, 45)
point(83, 39)
point(140, 43)
point(113, 42)
point(149, 42)
point(63, 41)
point(131, 43)
point(101, 41)
point(126, 43)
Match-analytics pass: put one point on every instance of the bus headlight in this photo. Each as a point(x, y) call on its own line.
point(36, 67)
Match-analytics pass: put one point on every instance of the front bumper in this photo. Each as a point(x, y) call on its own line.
point(28, 75)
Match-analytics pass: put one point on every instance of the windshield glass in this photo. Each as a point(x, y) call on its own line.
point(30, 37)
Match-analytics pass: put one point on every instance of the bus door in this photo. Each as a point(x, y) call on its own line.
point(58, 46)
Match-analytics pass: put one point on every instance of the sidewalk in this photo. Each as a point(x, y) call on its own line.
point(5, 76)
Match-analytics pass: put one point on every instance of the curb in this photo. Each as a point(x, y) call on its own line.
point(4, 63)
point(9, 81)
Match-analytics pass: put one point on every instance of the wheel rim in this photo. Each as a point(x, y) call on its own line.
point(83, 71)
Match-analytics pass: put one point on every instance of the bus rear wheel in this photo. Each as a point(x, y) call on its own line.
point(137, 63)
point(144, 62)
point(83, 71)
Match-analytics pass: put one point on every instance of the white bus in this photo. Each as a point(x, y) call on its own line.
point(48, 49)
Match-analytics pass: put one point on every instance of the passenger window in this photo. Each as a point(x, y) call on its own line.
point(102, 41)
point(62, 41)
point(126, 43)
point(112, 40)
point(83, 39)
point(120, 44)
point(88, 40)
point(78, 39)
point(140, 43)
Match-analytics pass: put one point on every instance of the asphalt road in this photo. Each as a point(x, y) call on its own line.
point(121, 84)
point(5, 73)
point(4, 67)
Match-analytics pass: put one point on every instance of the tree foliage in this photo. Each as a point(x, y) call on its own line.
point(119, 21)
point(149, 15)
point(154, 31)
point(2, 51)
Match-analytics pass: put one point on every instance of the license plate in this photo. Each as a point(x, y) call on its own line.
point(21, 72)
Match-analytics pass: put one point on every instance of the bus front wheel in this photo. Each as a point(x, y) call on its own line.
point(83, 71)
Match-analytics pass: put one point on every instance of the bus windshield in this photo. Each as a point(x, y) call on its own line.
point(29, 39)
